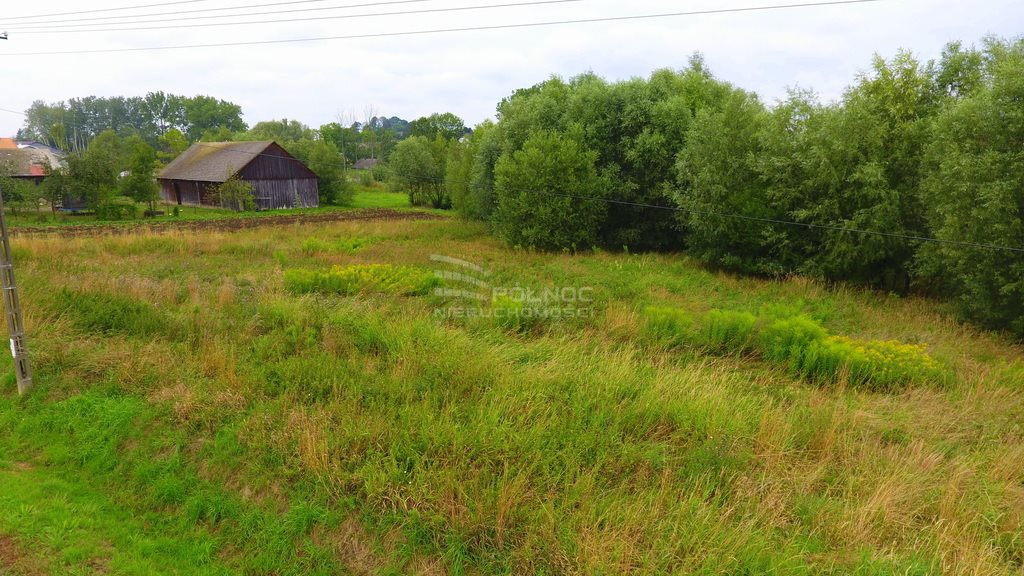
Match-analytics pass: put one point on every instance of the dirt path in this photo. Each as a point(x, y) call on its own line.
point(224, 224)
point(14, 561)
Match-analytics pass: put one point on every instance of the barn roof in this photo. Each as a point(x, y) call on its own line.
point(213, 161)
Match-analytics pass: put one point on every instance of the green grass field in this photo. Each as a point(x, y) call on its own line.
point(269, 401)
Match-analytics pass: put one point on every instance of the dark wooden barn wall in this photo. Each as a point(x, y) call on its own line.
point(191, 193)
point(269, 194)
point(274, 194)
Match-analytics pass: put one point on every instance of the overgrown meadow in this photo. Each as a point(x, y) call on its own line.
point(286, 400)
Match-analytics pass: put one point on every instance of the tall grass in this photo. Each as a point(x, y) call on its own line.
point(257, 430)
point(348, 280)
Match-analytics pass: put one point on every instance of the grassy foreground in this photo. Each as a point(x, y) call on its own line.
point(194, 416)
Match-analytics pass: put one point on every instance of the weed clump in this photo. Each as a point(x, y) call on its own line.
point(874, 364)
point(313, 246)
point(727, 331)
point(802, 345)
point(786, 338)
point(368, 278)
point(670, 325)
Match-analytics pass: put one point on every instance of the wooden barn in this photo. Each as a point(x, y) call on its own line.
point(278, 179)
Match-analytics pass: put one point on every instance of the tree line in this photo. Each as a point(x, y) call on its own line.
point(845, 191)
point(72, 125)
point(115, 146)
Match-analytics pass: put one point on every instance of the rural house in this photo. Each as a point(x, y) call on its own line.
point(278, 179)
point(366, 164)
point(27, 161)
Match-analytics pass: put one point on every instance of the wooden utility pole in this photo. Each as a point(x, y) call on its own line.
point(12, 307)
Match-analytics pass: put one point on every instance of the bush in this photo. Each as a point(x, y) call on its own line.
point(380, 172)
point(236, 194)
point(348, 280)
point(470, 175)
point(365, 178)
point(416, 171)
point(118, 209)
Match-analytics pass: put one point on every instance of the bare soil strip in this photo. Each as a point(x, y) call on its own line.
point(14, 561)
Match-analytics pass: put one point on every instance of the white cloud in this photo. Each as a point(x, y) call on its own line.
point(469, 72)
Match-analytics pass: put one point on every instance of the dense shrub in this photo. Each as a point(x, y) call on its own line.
point(470, 177)
point(545, 192)
point(348, 280)
point(974, 193)
point(117, 209)
point(723, 200)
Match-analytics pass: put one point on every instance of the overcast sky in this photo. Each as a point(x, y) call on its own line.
point(467, 73)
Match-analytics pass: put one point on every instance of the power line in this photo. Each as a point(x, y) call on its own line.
point(451, 30)
point(318, 18)
point(33, 26)
point(106, 10)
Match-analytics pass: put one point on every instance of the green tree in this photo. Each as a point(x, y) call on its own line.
point(446, 125)
point(636, 128)
point(414, 169)
point(92, 176)
point(139, 184)
point(323, 158)
point(282, 131)
point(974, 194)
point(960, 72)
point(171, 144)
point(205, 115)
point(857, 165)
point(236, 194)
point(723, 198)
point(548, 194)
